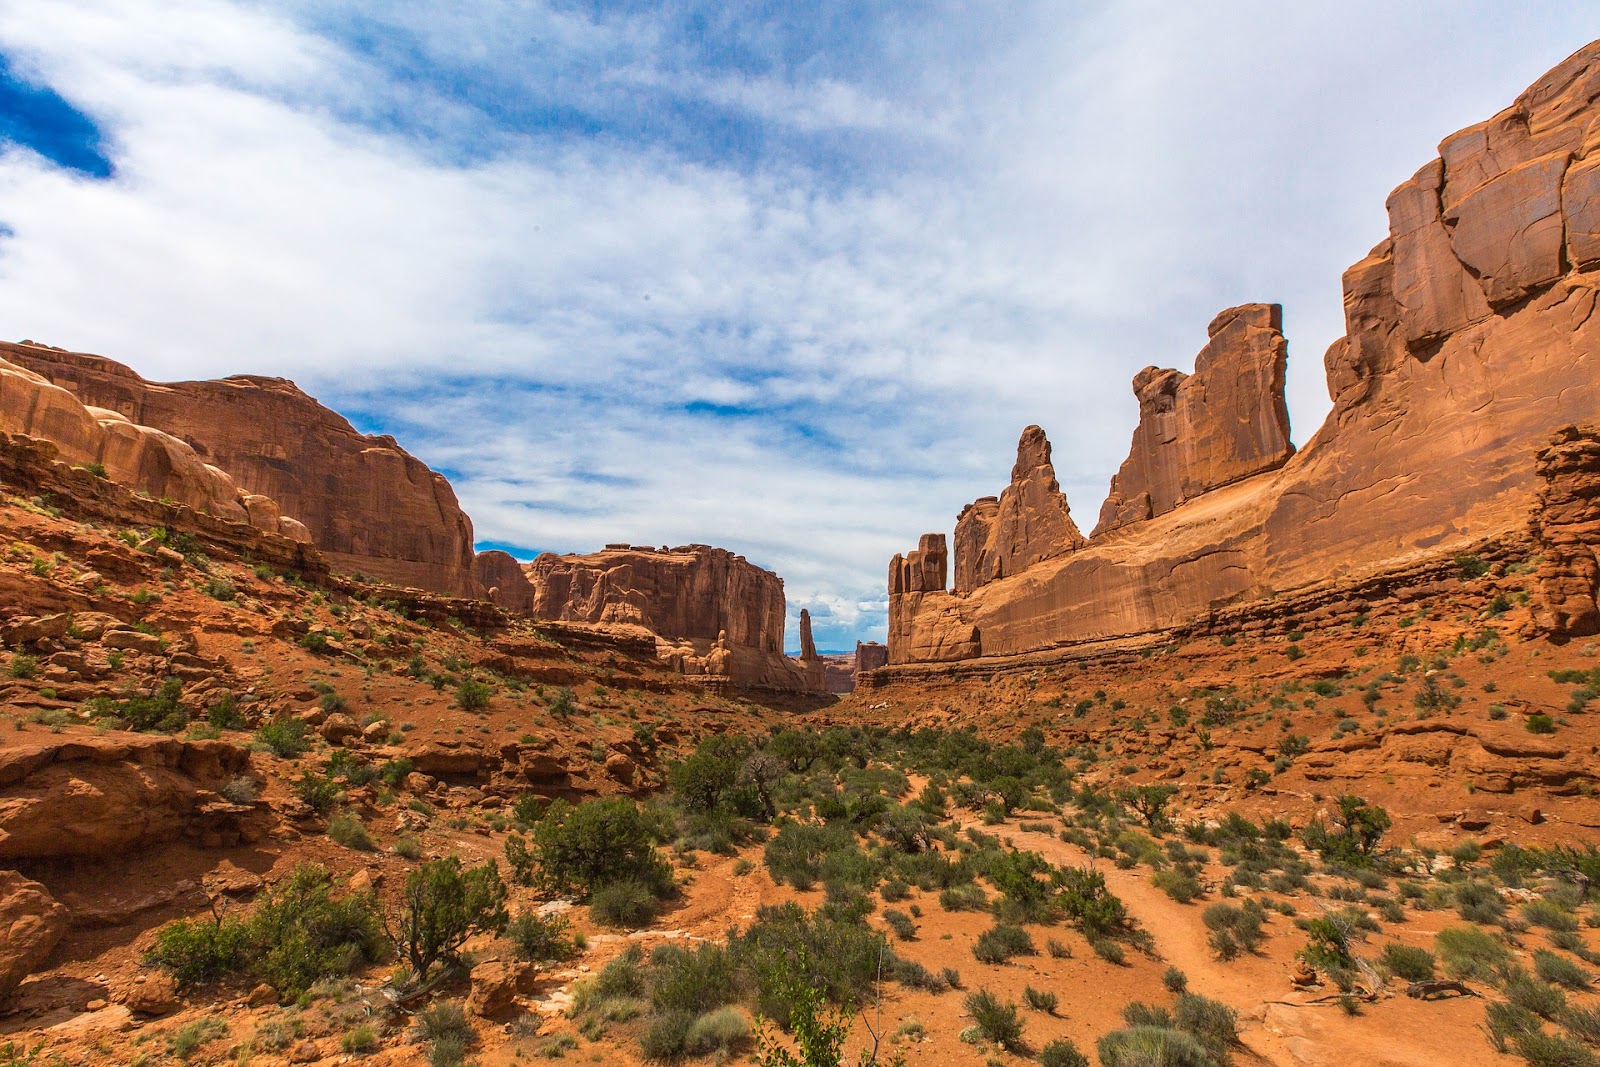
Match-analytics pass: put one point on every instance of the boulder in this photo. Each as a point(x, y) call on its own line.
point(31, 924)
point(339, 728)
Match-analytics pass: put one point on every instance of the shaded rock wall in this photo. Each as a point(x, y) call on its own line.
point(371, 507)
point(500, 574)
point(1471, 338)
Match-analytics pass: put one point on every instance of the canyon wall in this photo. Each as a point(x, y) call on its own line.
point(370, 506)
point(715, 612)
point(1470, 340)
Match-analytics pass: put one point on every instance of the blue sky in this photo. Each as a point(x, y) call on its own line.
point(784, 278)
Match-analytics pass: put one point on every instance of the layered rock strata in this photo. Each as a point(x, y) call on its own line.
point(370, 506)
point(1470, 339)
point(715, 613)
point(502, 578)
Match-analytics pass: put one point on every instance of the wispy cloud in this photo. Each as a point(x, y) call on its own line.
point(784, 279)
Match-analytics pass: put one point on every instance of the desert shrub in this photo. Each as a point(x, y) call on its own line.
point(691, 981)
point(625, 905)
point(539, 938)
point(1558, 970)
point(1152, 1046)
point(1210, 1022)
point(1108, 950)
point(472, 694)
point(361, 1040)
point(1479, 902)
point(1358, 828)
point(1549, 1050)
point(1503, 1020)
point(1548, 914)
point(1041, 1000)
point(1407, 962)
point(708, 779)
point(224, 714)
point(196, 951)
point(900, 923)
point(798, 852)
point(1001, 943)
point(189, 1038)
point(717, 1032)
point(240, 789)
point(442, 905)
point(1530, 994)
point(348, 830)
point(162, 711)
point(284, 738)
point(1181, 883)
point(1062, 1053)
point(23, 666)
point(444, 1028)
point(1583, 1024)
point(1469, 953)
point(1233, 929)
point(584, 847)
point(1175, 980)
point(997, 1020)
point(786, 949)
point(969, 897)
point(318, 792)
point(1085, 900)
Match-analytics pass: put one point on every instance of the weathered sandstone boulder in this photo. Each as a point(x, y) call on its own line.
point(101, 795)
point(1566, 524)
point(371, 507)
point(1199, 432)
point(1029, 521)
point(31, 923)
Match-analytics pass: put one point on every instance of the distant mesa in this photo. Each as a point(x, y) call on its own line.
point(1471, 356)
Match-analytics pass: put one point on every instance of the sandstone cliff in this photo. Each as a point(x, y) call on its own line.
point(1470, 339)
point(717, 613)
point(370, 507)
point(136, 456)
point(1201, 431)
point(812, 668)
point(1566, 524)
point(1028, 523)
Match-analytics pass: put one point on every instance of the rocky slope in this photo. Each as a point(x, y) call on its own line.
point(371, 507)
point(1470, 341)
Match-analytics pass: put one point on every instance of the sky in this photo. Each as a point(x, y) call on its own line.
point(784, 278)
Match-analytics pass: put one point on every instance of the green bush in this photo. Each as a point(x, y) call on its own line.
point(1180, 883)
point(1407, 962)
point(997, 1020)
point(786, 949)
point(472, 695)
point(718, 1032)
point(297, 934)
point(627, 905)
point(1062, 1053)
point(1001, 943)
point(900, 923)
point(1210, 1022)
point(541, 939)
point(1547, 1050)
point(284, 738)
point(1041, 1000)
point(1152, 1046)
point(23, 666)
point(1530, 994)
point(1558, 970)
point(1233, 929)
point(1469, 953)
point(443, 1026)
point(692, 981)
point(349, 831)
point(598, 842)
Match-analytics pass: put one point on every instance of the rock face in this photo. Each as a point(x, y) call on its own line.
point(370, 506)
point(870, 655)
point(102, 796)
point(694, 591)
point(136, 456)
point(1566, 524)
point(1028, 523)
point(31, 923)
point(1470, 339)
point(1201, 431)
point(714, 613)
point(501, 575)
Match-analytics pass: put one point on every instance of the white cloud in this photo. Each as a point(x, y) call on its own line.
point(1031, 208)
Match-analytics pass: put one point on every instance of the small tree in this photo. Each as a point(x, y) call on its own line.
point(443, 904)
point(1149, 802)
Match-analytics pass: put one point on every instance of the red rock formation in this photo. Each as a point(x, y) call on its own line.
point(1566, 524)
point(1200, 432)
point(139, 457)
point(501, 575)
point(1471, 338)
point(812, 668)
point(716, 613)
point(870, 655)
point(31, 923)
point(1028, 523)
point(370, 506)
point(925, 619)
